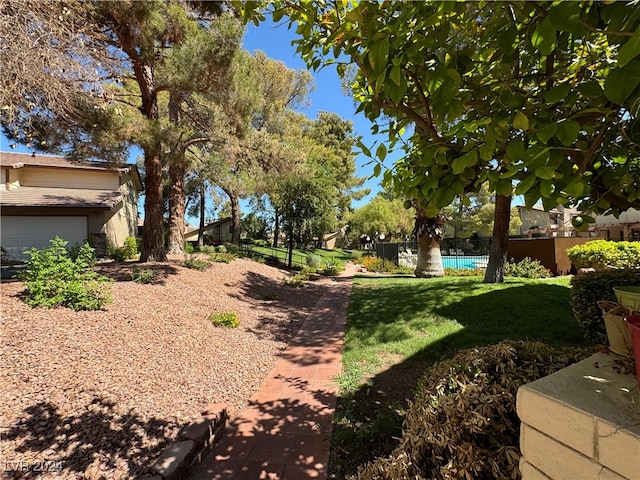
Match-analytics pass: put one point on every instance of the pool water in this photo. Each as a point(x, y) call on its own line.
point(464, 262)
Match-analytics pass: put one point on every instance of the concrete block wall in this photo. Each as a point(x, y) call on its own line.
point(582, 422)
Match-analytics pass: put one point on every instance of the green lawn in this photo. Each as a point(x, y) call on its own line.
point(398, 326)
point(300, 256)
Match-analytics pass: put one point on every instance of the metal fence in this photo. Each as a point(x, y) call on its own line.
point(461, 253)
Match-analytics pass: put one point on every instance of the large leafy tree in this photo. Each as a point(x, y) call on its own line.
point(533, 98)
point(382, 215)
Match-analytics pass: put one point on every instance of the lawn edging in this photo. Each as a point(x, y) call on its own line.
point(194, 442)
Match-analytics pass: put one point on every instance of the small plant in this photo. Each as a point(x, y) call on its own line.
point(145, 275)
point(128, 251)
point(331, 269)
point(271, 296)
point(225, 319)
point(209, 249)
point(221, 249)
point(54, 278)
point(297, 281)
point(221, 257)
point(355, 255)
point(195, 263)
point(232, 248)
point(188, 247)
point(261, 243)
point(313, 260)
point(526, 268)
point(461, 272)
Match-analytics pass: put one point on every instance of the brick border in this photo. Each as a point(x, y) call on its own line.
point(195, 441)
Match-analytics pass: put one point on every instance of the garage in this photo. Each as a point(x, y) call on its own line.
point(21, 233)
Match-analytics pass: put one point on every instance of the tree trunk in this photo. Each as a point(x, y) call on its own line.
point(176, 205)
point(429, 231)
point(498, 252)
point(290, 263)
point(203, 192)
point(177, 170)
point(235, 215)
point(153, 234)
point(276, 229)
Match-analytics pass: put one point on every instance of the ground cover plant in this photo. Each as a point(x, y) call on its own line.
point(397, 327)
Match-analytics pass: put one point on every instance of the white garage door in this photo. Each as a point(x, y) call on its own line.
point(19, 234)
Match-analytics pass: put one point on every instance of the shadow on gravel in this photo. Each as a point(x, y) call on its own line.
point(93, 443)
point(293, 302)
point(123, 271)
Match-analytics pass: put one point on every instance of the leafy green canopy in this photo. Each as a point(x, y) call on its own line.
point(538, 99)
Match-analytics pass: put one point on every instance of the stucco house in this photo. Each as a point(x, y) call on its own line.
point(216, 232)
point(42, 197)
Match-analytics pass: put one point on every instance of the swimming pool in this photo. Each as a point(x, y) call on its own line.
point(464, 261)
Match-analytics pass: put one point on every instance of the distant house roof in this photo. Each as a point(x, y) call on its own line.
point(19, 160)
point(209, 226)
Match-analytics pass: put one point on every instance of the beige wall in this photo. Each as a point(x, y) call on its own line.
point(57, 178)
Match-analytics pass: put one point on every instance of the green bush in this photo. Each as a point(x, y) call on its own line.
point(145, 275)
point(331, 269)
point(225, 319)
point(600, 254)
point(195, 263)
point(313, 260)
point(526, 268)
point(232, 248)
point(128, 251)
point(375, 264)
point(261, 243)
point(209, 249)
point(221, 257)
point(221, 249)
point(53, 278)
point(188, 247)
point(462, 422)
point(587, 289)
point(355, 255)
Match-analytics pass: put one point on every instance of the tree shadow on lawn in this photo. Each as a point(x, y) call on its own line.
point(372, 416)
point(259, 290)
point(93, 442)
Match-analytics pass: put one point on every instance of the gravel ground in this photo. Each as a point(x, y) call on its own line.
point(97, 395)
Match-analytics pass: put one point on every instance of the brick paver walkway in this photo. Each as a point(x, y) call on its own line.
point(285, 431)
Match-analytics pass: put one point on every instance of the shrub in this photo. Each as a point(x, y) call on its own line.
point(375, 264)
point(131, 247)
point(225, 319)
point(247, 241)
point(208, 249)
point(221, 257)
point(600, 254)
point(145, 275)
point(587, 289)
point(331, 269)
point(188, 247)
point(128, 251)
point(526, 268)
point(313, 260)
point(53, 278)
point(261, 243)
point(355, 255)
point(232, 248)
point(462, 422)
point(195, 263)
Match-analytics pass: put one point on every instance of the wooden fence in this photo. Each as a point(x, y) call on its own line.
point(551, 252)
